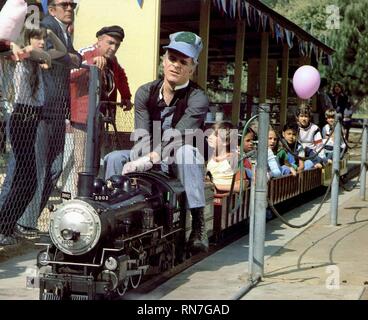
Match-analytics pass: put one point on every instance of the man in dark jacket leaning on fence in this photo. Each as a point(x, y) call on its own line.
point(57, 105)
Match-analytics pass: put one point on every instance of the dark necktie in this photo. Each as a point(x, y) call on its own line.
point(69, 41)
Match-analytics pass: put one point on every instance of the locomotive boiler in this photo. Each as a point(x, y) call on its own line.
point(111, 235)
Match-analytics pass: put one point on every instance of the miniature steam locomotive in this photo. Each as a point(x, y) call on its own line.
point(111, 235)
point(115, 232)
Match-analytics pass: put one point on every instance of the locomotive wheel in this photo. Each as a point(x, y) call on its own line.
point(135, 280)
point(167, 257)
point(163, 265)
point(123, 287)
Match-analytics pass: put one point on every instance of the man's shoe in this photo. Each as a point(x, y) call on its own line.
point(7, 240)
point(26, 232)
point(198, 241)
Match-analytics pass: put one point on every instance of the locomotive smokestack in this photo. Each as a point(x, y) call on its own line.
point(85, 184)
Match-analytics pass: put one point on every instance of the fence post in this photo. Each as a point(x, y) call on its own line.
point(363, 165)
point(251, 222)
point(260, 201)
point(336, 170)
point(93, 101)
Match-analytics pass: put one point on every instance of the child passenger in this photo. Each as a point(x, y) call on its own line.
point(247, 148)
point(328, 135)
point(330, 119)
point(274, 169)
point(293, 159)
point(310, 137)
point(224, 161)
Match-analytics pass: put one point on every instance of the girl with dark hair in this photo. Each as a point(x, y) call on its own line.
point(224, 161)
point(27, 98)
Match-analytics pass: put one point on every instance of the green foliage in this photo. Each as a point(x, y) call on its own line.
point(273, 3)
point(350, 41)
point(310, 15)
point(351, 45)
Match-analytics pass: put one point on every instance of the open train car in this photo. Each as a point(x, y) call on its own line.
point(279, 190)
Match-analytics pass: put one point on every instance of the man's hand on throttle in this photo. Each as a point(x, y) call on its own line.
point(141, 164)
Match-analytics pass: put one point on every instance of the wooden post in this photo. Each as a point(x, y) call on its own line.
point(284, 84)
point(263, 68)
point(238, 73)
point(204, 30)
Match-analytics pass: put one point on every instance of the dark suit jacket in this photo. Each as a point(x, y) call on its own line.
point(51, 23)
point(57, 79)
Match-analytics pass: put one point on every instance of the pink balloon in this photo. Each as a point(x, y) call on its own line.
point(306, 81)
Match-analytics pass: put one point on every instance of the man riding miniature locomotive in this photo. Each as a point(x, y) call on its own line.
point(174, 102)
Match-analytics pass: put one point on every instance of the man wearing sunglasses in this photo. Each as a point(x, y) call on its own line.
point(60, 17)
point(51, 134)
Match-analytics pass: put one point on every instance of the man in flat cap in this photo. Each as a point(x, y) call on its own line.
point(172, 104)
point(103, 55)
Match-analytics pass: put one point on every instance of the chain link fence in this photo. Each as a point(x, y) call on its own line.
point(41, 149)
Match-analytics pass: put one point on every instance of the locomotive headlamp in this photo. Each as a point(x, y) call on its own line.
point(75, 228)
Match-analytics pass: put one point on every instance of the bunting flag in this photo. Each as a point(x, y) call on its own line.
point(301, 48)
point(44, 6)
point(217, 3)
point(310, 49)
point(240, 9)
point(253, 12)
point(247, 12)
point(233, 9)
point(140, 3)
point(264, 20)
point(278, 32)
point(259, 20)
point(259, 17)
point(223, 3)
point(289, 38)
